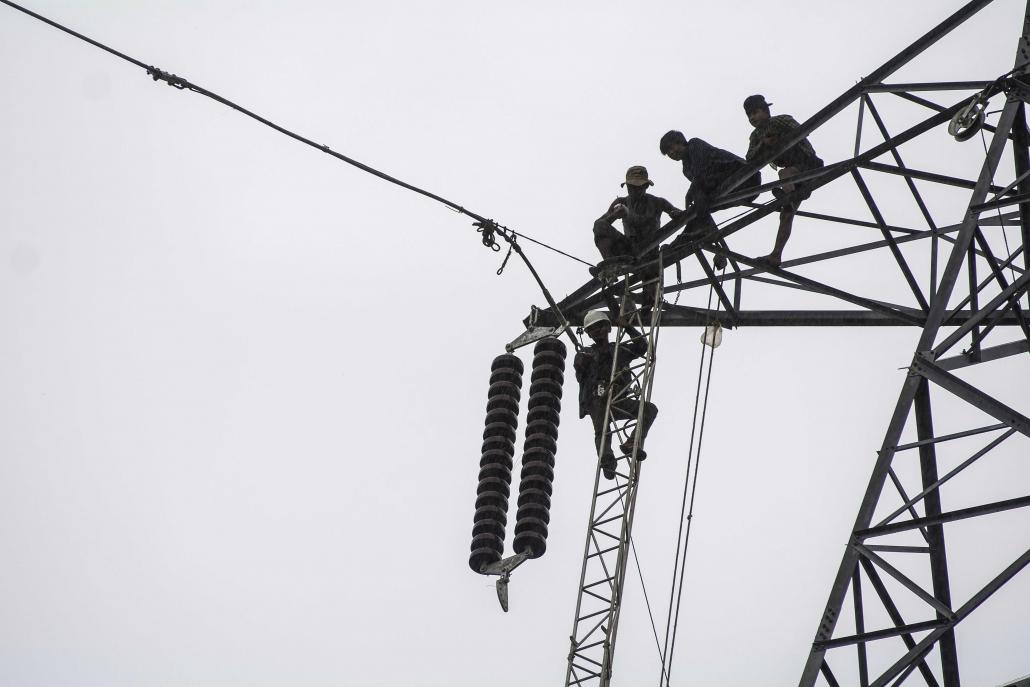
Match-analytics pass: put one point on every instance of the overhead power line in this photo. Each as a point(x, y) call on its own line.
point(487, 226)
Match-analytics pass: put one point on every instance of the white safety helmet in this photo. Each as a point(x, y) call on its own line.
point(595, 316)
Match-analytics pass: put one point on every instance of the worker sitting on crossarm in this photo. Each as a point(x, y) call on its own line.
point(593, 372)
point(706, 167)
point(769, 134)
point(641, 215)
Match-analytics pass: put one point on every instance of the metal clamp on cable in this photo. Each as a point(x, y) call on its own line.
point(170, 79)
point(488, 228)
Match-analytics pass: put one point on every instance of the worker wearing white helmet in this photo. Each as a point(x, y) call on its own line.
point(593, 366)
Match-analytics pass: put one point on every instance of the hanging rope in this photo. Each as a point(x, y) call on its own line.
point(687, 513)
point(647, 601)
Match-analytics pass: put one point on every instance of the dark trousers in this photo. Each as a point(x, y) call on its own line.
point(610, 241)
point(623, 409)
point(703, 223)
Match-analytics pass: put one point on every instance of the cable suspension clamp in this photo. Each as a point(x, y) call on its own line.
point(170, 79)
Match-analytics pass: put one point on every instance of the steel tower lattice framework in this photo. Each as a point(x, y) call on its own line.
point(974, 300)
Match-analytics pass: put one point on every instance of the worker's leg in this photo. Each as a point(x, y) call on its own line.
point(786, 173)
point(782, 234)
point(609, 241)
point(629, 408)
point(597, 417)
point(786, 218)
point(700, 226)
point(650, 413)
point(608, 462)
point(649, 275)
point(754, 180)
point(719, 261)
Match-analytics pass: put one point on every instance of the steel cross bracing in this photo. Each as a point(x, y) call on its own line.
point(892, 612)
point(609, 530)
point(880, 545)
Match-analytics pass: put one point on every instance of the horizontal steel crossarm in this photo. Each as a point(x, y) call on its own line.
point(819, 257)
point(950, 516)
point(928, 86)
point(850, 221)
point(828, 290)
point(880, 634)
point(986, 355)
point(1000, 203)
point(913, 235)
point(910, 173)
point(949, 437)
point(685, 316)
point(892, 548)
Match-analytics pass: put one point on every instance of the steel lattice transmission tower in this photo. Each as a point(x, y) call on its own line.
point(891, 614)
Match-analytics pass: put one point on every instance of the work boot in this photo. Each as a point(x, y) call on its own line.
point(627, 448)
point(612, 267)
point(608, 465)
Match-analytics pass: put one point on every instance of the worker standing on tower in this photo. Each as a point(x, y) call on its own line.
point(769, 134)
point(593, 366)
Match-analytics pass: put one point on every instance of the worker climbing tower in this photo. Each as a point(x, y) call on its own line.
point(610, 526)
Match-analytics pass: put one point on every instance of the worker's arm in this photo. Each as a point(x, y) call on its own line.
point(617, 210)
point(581, 365)
point(636, 344)
point(668, 208)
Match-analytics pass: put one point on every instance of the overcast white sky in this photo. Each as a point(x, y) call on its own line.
point(242, 384)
